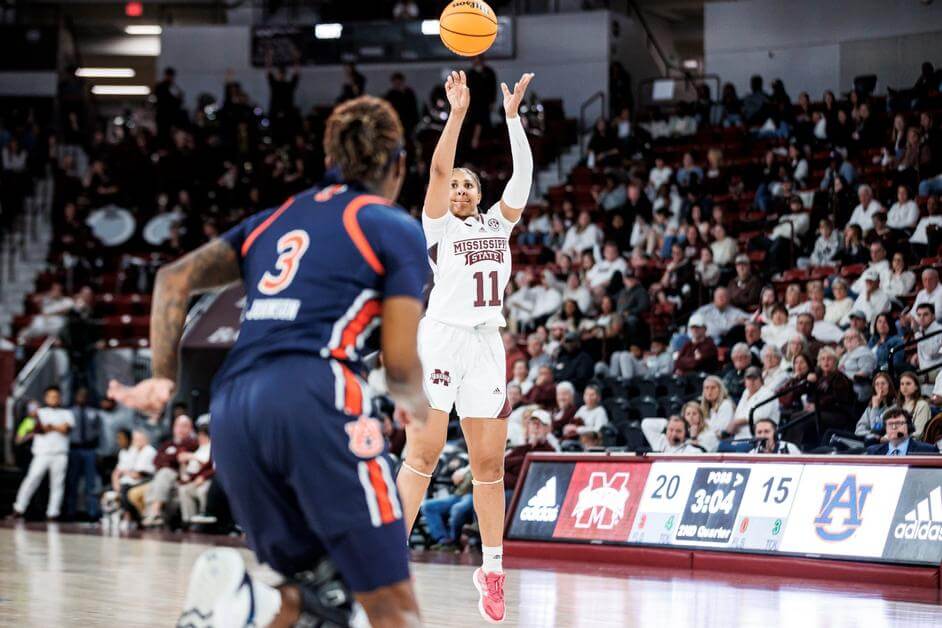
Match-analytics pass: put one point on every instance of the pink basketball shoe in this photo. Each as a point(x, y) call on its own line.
point(490, 586)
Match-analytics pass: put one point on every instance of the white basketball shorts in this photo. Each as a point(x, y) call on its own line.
point(465, 368)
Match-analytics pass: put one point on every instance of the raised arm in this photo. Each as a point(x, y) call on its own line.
point(517, 191)
point(213, 265)
point(443, 159)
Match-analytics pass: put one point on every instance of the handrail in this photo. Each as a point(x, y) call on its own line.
point(906, 345)
point(32, 365)
point(781, 393)
point(599, 95)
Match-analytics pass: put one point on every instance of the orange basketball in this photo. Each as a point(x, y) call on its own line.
point(468, 27)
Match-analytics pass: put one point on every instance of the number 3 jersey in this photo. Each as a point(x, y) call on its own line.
point(471, 266)
point(316, 271)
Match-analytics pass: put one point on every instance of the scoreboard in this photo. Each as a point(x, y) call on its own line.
point(875, 512)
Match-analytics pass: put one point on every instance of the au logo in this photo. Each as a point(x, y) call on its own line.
point(366, 437)
point(847, 498)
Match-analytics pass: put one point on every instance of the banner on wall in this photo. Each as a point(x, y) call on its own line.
point(541, 498)
point(915, 532)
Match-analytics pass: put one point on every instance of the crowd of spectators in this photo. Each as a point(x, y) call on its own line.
point(663, 296)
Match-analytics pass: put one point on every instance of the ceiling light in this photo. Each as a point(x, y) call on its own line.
point(121, 90)
point(430, 27)
point(143, 29)
point(328, 31)
point(105, 73)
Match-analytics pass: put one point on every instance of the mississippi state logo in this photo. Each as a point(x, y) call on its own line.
point(602, 502)
point(366, 437)
point(847, 498)
point(440, 377)
point(494, 224)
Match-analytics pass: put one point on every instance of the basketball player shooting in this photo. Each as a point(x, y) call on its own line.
point(459, 337)
point(306, 470)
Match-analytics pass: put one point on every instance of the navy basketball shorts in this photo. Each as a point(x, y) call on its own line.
point(307, 473)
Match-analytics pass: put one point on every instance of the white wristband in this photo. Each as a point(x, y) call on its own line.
point(517, 191)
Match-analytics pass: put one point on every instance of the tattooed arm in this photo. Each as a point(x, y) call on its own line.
point(213, 265)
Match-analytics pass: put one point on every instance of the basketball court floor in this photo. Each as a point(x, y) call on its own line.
point(67, 575)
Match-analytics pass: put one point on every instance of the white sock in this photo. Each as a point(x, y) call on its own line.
point(267, 602)
point(493, 559)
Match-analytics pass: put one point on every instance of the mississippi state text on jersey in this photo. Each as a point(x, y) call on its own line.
point(471, 266)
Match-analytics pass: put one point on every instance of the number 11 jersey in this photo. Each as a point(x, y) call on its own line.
point(470, 260)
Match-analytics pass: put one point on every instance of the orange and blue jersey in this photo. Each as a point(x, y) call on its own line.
point(316, 270)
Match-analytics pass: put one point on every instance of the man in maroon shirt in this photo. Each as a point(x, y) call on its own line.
point(699, 354)
point(543, 392)
point(538, 429)
point(167, 464)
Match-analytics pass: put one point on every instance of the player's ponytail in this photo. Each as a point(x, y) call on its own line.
point(363, 137)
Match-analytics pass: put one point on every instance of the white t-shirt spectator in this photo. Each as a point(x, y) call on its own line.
point(53, 442)
point(592, 417)
point(654, 431)
point(721, 416)
point(579, 241)
point(836, 311)
point(876, 303)
point(601, 274)
point(934, 297)
point(863, 216)
point(719, 322)
point(748, 402)
point(882, 268)
point(927, 351)
point(139, 460)
point(660, 176)
point(724, 251)
point(903, 215)
point(920, 236)
point(898, 285)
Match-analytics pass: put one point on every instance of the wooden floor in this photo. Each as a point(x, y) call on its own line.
point(51, 577)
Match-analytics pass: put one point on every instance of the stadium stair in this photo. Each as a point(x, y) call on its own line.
point(557, 172)
point(30, 259)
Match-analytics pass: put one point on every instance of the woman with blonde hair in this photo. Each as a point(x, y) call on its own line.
point(716, 405)
point(700, 432)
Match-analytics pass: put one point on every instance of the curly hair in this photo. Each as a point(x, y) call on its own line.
point(362, 138)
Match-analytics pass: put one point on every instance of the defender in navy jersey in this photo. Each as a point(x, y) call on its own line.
point(304, 465)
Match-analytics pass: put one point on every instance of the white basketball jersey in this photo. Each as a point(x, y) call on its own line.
point(471, 266)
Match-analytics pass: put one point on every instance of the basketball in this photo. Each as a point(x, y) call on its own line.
point(468, 27)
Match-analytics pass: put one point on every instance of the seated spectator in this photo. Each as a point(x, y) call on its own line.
point(669, 436)
point(135, 468)
point(196, 473)
point(699, 353)
point(515, 423)
point(804, 325)
point(749, 404)
point(625, 364)
point(543, 390)
point(755, 342)
point(910, 399)
point(701, 434)
point(774, 373)
point(927, 352)
point(931, 291)
point(520, 374)
point(822, 330)
point(863, 213)
point(660, 174)
point(717, 407)
point(538, 431)
point(689, 173)
point(870, 424)
point(878, 264)
point(794, 300)
point(582, 236)
point(537, 356)
point(600, 275)
point(53, 306)
point(796, 346)
point(589, 439)
point(832, 394)
point(902, 280)
point(899, 439)
point(719, 316)
point(933, 218)
point(659, 360)
point(573, 364)
point(872, 300)
point(512, 352)
point(735, 372)
point(836, 310)
point(904, 213)
point(858, 363)
point(744, 289)
point(592, 414)
point(532, 303)
point(827, 246)
point(767, 442)
point(156, 493)
point(724, 247)
point(707, 272)
point(791, 402)
point(565, 413)
point(883, 340)
point(458, 505)
point(612, 195)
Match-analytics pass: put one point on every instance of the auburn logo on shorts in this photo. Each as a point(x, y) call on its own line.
point(441, 377)
point(366, 437)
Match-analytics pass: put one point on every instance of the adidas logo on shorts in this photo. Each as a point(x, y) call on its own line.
point(542, 506)
point(497, 390)
point(924, 522)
